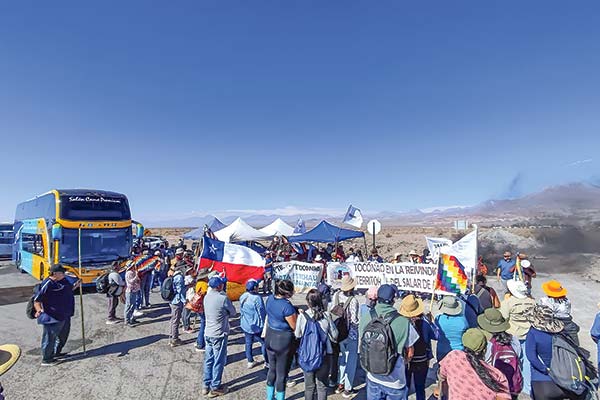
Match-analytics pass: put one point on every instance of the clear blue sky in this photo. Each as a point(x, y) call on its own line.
point(215, 105)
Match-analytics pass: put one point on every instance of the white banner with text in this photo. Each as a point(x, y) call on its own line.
point(304, 275)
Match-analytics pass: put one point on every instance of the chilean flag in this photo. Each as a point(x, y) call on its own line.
point(238, 263)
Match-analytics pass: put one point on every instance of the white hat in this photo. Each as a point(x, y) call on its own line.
point(517, 288)
point(318, 257)
point(179, 251)
point(396, 255)
point(525, 264)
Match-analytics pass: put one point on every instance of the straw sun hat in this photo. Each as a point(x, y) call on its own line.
point(9, 354)
point(492, 321)
point(554, 289)
point(411, 306)
point(348, 283)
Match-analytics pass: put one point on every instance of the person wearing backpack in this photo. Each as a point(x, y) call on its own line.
point(465, 375)
point(345, 308)
point(387, 340)
point(280, 338)
point(132, 291)
point(316, 331)
point(412, 308)
point(451, 324)
point(488, 298)
point(176, 305)
point(595, 334)
point(503, 349)
point(545, 330)
point(252, 321)
point(515, 309)
point(556, 299)
point(188, 312)
point(115, 290)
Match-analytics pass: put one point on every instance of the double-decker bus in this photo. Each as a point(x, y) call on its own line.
point(47, 228)
point(6, 239)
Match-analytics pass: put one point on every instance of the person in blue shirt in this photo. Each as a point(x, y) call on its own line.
point(451, 324)
point(279, 339)
point(177, 306)
point(375, 257)
point(252, 320)
point(538, 349)
point(504, 270)
point(54, 304)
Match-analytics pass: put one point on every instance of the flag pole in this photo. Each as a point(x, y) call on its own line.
point(81, 290)
point(435, 283)
point(474, 273)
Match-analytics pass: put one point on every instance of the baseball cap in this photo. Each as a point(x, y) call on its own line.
point(215, 282)
point(251, 285)
point(57, 268)
point(386, 293)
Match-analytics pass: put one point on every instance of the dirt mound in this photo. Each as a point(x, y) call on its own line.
point(502, 240)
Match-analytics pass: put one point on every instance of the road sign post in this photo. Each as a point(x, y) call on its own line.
point(374, 227)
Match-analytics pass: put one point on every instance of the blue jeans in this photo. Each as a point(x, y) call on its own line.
point(526, 368)
point(50, 340)
point(214, 361)
point(375, 391)
point(250, 338)
point(130, 302)
point(200, 342)
point(348, 362)
point(145, 286)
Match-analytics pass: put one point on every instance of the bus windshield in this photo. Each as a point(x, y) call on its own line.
point(6, 234)
point(97, 245)
point(89, 208)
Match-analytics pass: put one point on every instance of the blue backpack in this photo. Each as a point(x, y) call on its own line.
point(312, 346)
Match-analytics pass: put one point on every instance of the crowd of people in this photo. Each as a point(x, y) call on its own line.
point(480, 345)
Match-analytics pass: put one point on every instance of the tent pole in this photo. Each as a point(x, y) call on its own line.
point(366, 248)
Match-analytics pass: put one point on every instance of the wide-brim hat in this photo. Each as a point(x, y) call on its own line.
point(450, 305)
point(543, 319)
point(525, 263)
point(9, 354)
point(554, 289)
point(413, 253)
point(492, 321)
point(517, 288)
point(411, 306)
point(348, 283)
point(318, 257)
point(475, 340)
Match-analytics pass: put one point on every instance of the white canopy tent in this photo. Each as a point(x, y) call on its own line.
point(278, 228)
point(240, 231)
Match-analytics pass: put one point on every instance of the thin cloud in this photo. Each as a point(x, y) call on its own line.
point(579, 162)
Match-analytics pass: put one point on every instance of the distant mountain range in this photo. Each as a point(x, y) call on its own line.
point(576, 203)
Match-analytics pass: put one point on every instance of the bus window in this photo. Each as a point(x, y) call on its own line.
point(32, 243)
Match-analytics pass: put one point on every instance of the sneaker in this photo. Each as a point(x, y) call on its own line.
point(112, 321)
point(331, 384)
point(223, 390)
point(348, 394)
point(199, 349)
point(339, 389)
point(188, 330)
point(175, 343)
point(252, 364)
point(62, 354)
point(205, 390)
point(50, 363)
point(131, 323)
point(137, 313)
point(290, 383)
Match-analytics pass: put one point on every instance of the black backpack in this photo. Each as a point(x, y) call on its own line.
point(102, 285)
point(29, 308)
point(341, 323)
point(378, 353)
point(167, 291)
point(570, 368)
